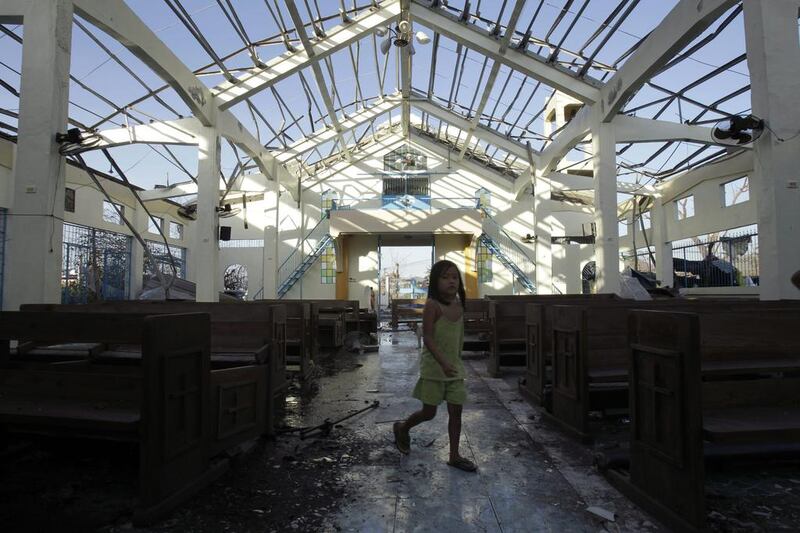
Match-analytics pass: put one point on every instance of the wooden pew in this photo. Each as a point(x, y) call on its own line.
point(510, 334)
point(477, 325)
point(300, 348)
point(407, 311)
point(331, 320)
point(241, 334)
point(331, 324)
point(368, 321)
point(731, 379)
point(590, 353)
point(164, 404)
point(539, 325)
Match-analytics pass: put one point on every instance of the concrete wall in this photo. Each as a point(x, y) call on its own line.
point(359, 184)
point(363, 272)
point(7, 151)
point(710, 215)
point(89, 206)
point(451, 248)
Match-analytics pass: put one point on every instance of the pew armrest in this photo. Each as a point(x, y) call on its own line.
point(262, 354)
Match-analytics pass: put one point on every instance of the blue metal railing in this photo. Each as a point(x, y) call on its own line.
point(508, 251)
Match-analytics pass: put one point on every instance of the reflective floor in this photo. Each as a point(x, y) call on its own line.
point(519, 485)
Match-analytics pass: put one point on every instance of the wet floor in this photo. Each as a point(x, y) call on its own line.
point(519, 485)
point(531, 476)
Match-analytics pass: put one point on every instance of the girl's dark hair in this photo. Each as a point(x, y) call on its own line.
point(438, 269)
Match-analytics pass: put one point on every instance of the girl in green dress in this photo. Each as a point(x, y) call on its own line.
point(441, 367)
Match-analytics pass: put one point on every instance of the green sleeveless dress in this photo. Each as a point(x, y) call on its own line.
point(433, 386)
point(449, 338)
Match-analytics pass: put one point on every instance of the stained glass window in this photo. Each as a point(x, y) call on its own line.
point(483, 258)
point(328, 270)
point(328, 257)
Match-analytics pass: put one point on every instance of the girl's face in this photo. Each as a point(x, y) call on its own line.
point(448, 282)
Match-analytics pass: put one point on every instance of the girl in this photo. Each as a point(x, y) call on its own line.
point(441, 368)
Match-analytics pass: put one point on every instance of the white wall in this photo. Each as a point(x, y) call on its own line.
point(361, 182)
point(363, 257)
point(89, 206)
point(7, 152)
point(710, 214)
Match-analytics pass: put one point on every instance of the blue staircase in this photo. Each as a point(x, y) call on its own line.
point(496, 251)
point(300, 270)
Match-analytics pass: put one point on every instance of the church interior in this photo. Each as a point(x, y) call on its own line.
point(229, 230)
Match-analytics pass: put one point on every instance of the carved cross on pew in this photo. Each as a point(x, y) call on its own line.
point(237, 407)
point(657, 411)
point(567, 352)
point(182, 394)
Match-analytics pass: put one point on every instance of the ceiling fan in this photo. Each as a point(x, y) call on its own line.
point(738, 130)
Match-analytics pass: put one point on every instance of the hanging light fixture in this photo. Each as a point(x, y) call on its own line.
point(401, 36)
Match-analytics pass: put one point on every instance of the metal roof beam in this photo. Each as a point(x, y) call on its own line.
point(115, 18)
point(323, 89)
point(327, 134)
point(687, 20)
point(118, 20)
point(489, 135)
point(487, 91)
point(257, 79)
point(525, 63)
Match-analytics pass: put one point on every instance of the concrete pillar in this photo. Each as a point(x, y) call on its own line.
point(773, 57)
point(470, 266)
point(140, 220)
point(572, 274)
point(206, 253)
point(271, 229)
point(605, 206)
point(661, 244)
point(34, 232)
point(542, 210)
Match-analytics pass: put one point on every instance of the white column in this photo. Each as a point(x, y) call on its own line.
point(140, 220)
point(271, 211)
point(34, 233)
point(206, 252)
point(773, 57)
point(661, 244)
point(543, 219)
point(605, 206)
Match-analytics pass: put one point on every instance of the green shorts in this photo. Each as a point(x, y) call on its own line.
point(434, 392)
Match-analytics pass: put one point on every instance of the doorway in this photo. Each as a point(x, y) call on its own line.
point(404, 264)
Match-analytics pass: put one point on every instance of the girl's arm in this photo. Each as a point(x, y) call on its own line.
point(430, 315)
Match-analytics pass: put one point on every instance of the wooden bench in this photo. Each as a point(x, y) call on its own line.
point(539, 325)
point(300, 346)
point(746, 401)
point(477, 325)
point(510, 332)
point(407, 311)
point(330, 321)
point(241, 334)
point(368, 321)
point(179, 411)
point(591, 356)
